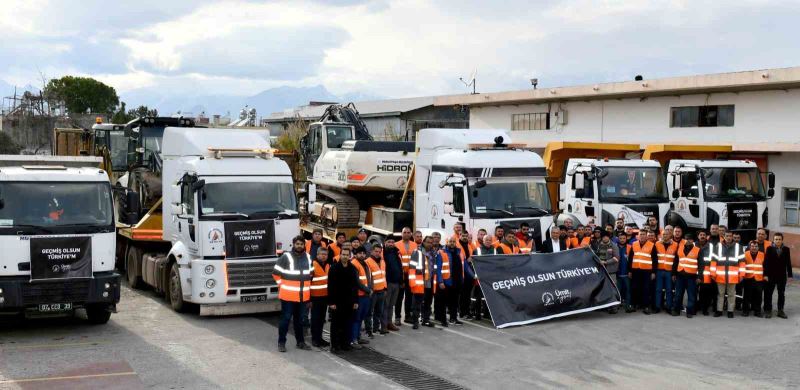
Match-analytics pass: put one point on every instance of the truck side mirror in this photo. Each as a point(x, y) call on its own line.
point(480, 183)
point(198, 185)
point(770, 195)
point(771, 180)
point(176, 209)
point(676, 193)
point(447, 196)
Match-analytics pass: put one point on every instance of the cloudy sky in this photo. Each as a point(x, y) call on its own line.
point(384, 47)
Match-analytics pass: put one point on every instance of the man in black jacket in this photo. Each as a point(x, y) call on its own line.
point(394, 283)
point(777, 270)
point(342, 298)
point(554, 242)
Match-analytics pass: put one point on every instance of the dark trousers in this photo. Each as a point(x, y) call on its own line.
point(453, 299)
point(753, 291)
point(291, 312)
point(406, 296)
point(465, 297)
point(642, 287)
point(389, 302)
point(422, 306)
point(360, 315)
point(624, 286)
point(739, 295)
point(373, 322)
point(771, 286)
point(687, 283)
point(477, 303)
point(708, 296)
point(319, 306)
point(341, 325)
point(440, 304)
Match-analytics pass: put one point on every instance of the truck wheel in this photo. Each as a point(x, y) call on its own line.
point(175, 291)
point(98, 314)
point(133, 263)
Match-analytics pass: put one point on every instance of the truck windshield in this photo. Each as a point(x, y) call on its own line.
point(151, 141)
point(725, 184)
point(55, 204)
point(337, 135)
point(503, 198)
point(118, 147)
point(248, 198)
point(632, 185)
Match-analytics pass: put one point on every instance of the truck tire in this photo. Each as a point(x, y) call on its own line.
point(175, 293)
point(133, 263)
point(98, 314)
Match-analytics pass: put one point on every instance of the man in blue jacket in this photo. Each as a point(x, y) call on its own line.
point(623, 282)
point(455, 283)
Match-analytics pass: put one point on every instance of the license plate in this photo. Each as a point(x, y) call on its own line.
point(54, 307)
point(254, 298)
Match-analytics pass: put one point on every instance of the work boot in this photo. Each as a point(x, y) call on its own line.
point(758, 314)
point(444, 324)
point(689, 315)
point(324, 344)
point(646, 311)
point(629, 309)
point(429, 324)
point(705, 312)
point(397, 322)
point(783, 315)
point(303, 346)
point(468, 317)
point(458, 322)
point(717, 314)
point(383, 331)
point(656, 311)
point(356, 346)
point(281, 347)
point(370, 335)
point(408, 321)
point(730, 314)
point(746, 313)
point(392, 327)
point(415, 326)
point(675, 313)
point(768, 314)
point(360, 341)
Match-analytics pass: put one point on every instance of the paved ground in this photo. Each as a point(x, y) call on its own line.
point(146, 345)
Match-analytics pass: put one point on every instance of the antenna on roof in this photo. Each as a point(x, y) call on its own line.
point(471, 81)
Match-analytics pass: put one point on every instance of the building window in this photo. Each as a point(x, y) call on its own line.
point(791, 206)
point(533, 121)
point(702, 116)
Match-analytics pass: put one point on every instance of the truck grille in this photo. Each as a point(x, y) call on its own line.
point(250, 274)
point(55, 292)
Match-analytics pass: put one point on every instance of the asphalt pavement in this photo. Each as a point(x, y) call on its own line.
point(147, 345)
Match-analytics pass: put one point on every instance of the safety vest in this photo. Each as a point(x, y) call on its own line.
point(642, 256)
point(319, 282)
point(335, 249)
point(362, 276)
point(418, 272)
point(754, 268)
point(294, 281)
point(666, 255)
point(405, 254)
point(525, 246)
point(322, 244)
point(763, 246)
point(728, 269)
point(503, 249)
point(378, 274)
point(445, 264)
point(573, 242)
point(463, 252)
point(687, 262)
point(707, 264)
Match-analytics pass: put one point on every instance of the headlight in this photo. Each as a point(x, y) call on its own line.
point(107, 286)
point(210, 283)
point(1, 290)
point(209, 269)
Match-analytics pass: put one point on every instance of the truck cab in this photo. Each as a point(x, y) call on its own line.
point(480, 178)
point(57, 236)
point(723, 192)
point(602, 190)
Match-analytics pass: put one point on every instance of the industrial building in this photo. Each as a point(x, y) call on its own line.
point(391, 119)
point(742, 115)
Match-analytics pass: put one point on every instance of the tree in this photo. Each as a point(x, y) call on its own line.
point(122, 116)
point(7, 145)
point(82, 94)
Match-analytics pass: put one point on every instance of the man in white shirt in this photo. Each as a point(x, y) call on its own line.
point(553, 244)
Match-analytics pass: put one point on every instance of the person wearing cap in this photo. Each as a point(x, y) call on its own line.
point(362, 238)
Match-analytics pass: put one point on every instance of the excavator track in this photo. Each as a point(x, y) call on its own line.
point(337, 209)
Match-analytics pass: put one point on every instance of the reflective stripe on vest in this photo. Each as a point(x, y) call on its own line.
point(754, 268)
point(378, 274)
point(319, 284)
point(666, 255)
point(405, 253)
point(728, 269)
point(687, 262)
point(294, 284)
point(642, 256)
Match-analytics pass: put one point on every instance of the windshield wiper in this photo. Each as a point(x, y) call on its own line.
point(500, 210)
point(539, 209)
point(29, 226)
point(226, 213)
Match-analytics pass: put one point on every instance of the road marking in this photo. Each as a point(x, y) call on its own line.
point(486, 327)
point(62, 378)
point(473, 337)
point(44, 346)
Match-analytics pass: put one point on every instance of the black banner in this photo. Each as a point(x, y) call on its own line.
point(523, 289)
point(742, 216)
point(61, 257)
point(249, 239)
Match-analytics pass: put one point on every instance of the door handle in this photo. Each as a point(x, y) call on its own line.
point(179, 227)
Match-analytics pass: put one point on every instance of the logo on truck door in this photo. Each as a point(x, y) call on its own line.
point(215, 236)
point(394, 166)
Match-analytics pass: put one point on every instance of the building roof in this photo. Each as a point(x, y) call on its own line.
point(372, 108)
point(753, 80)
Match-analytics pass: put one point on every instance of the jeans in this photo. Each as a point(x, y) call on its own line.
point(687, 283)
point(361, 314)
point(624, 286)
point(663, 282)
point(769, 288)
point(722, 290)
point(389, 301)
point(291, 311)
point(319, 306)
point(753, 291)
point(375, 314)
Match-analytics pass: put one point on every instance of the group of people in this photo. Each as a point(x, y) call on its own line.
point(367, 288)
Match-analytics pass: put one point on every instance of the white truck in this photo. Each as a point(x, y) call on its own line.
point(57, 237)
point(603, 190)
point(459, 175)
point(722, 192)
point(229, 211)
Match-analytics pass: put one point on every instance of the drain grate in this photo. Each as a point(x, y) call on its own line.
point(399, 372)
point(388, 367)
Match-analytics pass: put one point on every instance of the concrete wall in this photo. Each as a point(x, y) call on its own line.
point(766, 116)
point(785, 166)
